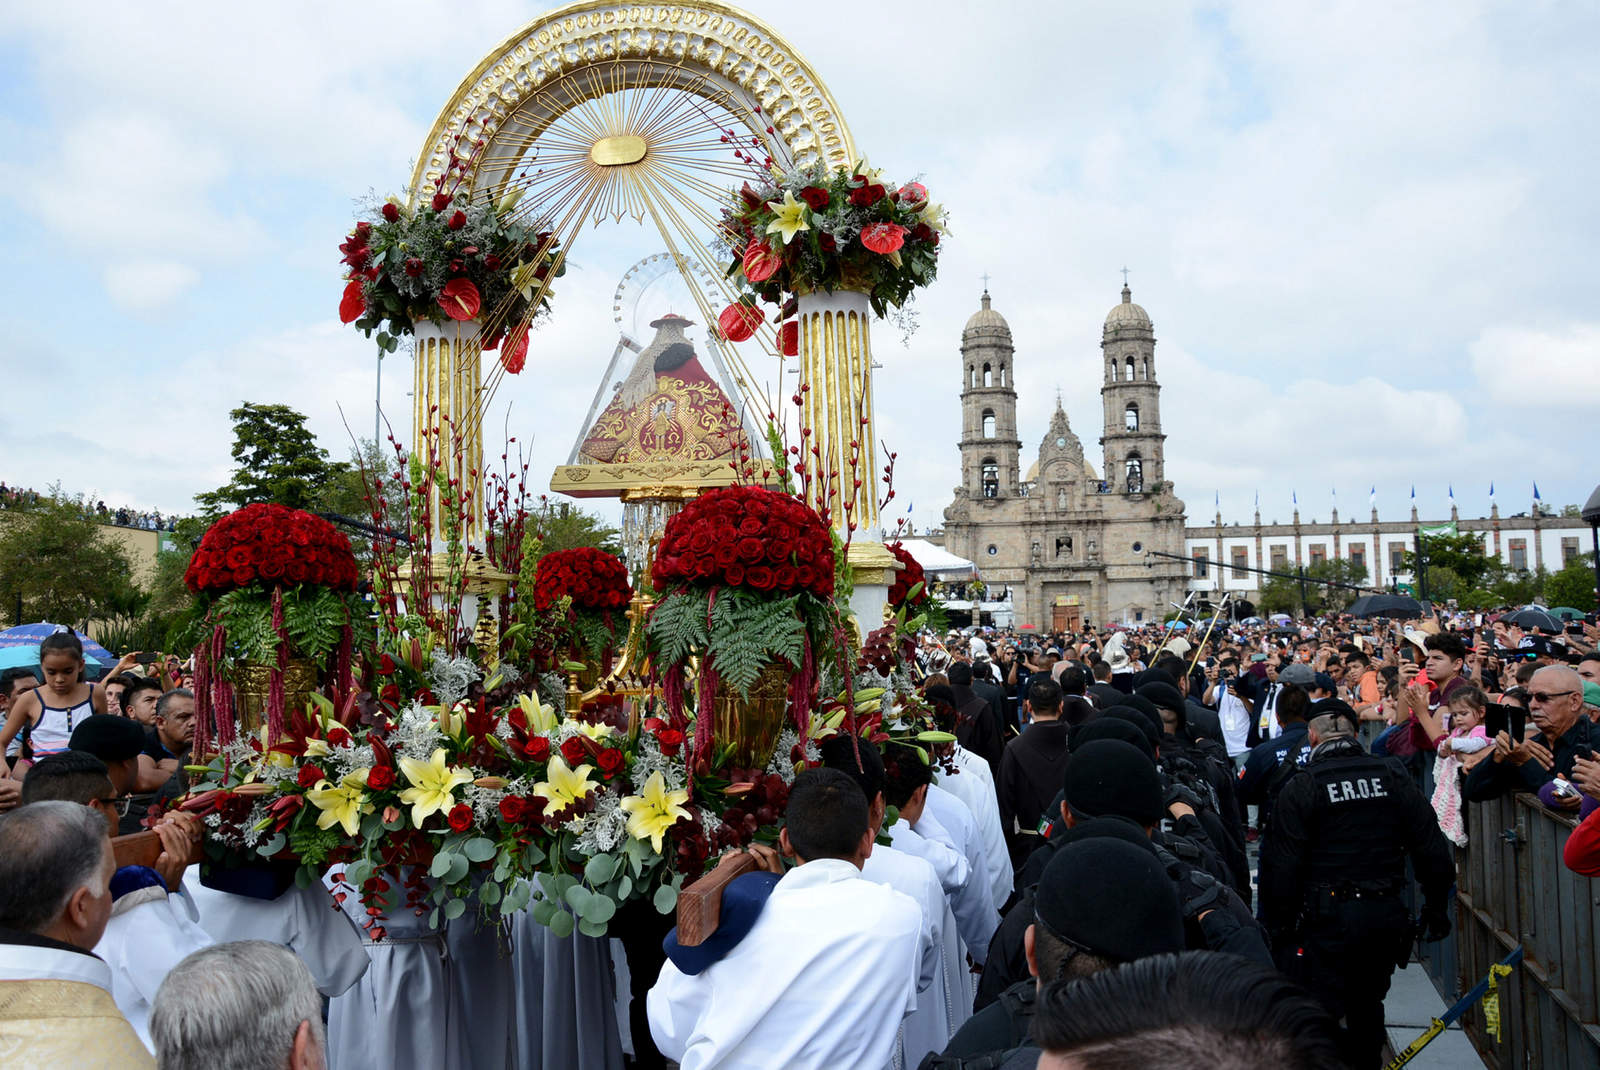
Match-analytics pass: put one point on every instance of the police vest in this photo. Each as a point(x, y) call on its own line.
point(1354, 828)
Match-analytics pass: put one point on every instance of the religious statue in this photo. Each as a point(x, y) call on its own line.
point(668, 407)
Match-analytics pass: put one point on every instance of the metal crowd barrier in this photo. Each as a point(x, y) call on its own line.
point(1512, 888)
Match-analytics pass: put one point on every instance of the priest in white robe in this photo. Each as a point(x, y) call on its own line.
point(941, 1004)
point(826, 972)
point(974, 784)
point(906, 784)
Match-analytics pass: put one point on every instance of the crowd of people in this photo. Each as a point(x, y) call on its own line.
point(1142, 848)
point(121, 516)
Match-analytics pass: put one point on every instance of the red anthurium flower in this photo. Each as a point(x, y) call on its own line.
point(353, 304)
point(457, 221)
point(760, 262)
point(391, 212)
point(883, 237)
point(515, 356)
point(789, 339)
point(441, 201)
point(913, 195)
point(739, 321)
point(461, 300)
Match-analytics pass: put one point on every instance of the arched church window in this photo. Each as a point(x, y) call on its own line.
point(991, 478)
point(972, 375)
point(1112, 370)
point(1130, 369)
point(1147, 367)
point(988, 423)
point(1130, 417)
point(988, 376)
point(1135, 472)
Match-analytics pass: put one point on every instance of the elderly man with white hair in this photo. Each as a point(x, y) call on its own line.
point(246, 1004)
point(1555, 704)
point(55, 899)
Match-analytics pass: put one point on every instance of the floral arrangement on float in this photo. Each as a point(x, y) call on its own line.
point(277, 587)
point(747, 578)
point(585, 590)
point(446, 259)
point(467, 805)
point(811, 230)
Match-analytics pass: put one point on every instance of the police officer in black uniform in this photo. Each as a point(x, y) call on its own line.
point(1332, 876)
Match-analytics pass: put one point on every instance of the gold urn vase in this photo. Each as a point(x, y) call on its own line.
point(750, 724)
point(254, 684)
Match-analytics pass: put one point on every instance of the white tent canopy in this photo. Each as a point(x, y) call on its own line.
point(938, 562)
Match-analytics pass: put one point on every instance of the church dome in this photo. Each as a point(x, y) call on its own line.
point(1127, 315)
point(986, 317)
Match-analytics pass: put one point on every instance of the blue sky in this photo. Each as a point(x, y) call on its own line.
point(1365, 232)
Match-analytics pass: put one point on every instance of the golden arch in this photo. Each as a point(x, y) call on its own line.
point(706, 48)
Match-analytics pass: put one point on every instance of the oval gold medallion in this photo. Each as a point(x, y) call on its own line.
point(617, 150)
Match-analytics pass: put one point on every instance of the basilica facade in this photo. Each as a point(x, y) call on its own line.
point(1069, 544)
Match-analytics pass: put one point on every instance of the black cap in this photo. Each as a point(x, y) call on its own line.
point(1164, 695)
point(1111, 899)
point(111, 739)
point(1154, 676)
point(1143, 715)
point(1110, 778)
point(1110, 726)
point(939, 693)
point(1326, 706)
point(1118, 828)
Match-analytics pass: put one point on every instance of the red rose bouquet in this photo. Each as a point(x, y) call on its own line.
point(449, 259)
point(747, 578)
point(276, 584)
point(597, 584)
point(815, 229)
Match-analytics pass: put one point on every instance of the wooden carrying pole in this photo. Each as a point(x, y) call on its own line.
point(700, 904)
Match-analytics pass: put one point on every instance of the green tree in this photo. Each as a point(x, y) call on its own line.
point(1573, 585)
point(1334, 599)
point(62, 565)
point(276, 460)
point(1462, 554)
point(1278, 596)
point(563, 526)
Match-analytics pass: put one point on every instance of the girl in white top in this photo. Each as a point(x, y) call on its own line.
point(48, 714)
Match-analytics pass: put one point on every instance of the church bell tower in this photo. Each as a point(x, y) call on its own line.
point(1132, 397)
point(990, 448)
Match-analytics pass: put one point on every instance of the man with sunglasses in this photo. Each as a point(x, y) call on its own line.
point(1555, 703)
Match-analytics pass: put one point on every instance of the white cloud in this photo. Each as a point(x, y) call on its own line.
point(1531, 368)
point(145, 285)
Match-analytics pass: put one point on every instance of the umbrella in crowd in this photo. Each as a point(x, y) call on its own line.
point(1393, 606)
point(1566, 613)
point(31, 635)
point(1534, 619)
point(1252, 620)
point(27, 657)
point(1280, 618)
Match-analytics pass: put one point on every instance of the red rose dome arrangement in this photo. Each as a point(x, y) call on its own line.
point(596, 585)
point(277, 587)
point(747, 580)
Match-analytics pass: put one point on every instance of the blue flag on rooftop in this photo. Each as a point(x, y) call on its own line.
point(1536, 492)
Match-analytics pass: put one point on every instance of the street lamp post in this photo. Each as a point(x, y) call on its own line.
point(1591, 516)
